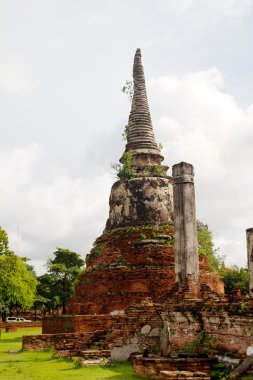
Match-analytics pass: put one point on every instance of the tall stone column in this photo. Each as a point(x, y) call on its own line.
point(249, 234)
point(186, 244)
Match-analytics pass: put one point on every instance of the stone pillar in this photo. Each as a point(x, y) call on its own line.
point(249, 234)
point(186, 244)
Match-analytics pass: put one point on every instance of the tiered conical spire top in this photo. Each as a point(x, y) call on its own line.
point(140, 130)
point(140, 137)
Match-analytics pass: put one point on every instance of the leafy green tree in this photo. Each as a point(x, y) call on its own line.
point(17, 284)
point(64, 270)
point(234, 278)
point(206, 246)
point(47, 297)
point(17, 279)
point(4, 241)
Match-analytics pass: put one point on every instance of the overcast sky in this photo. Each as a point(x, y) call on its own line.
point(62, 66)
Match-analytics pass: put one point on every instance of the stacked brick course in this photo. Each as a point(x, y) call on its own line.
point(155, 367)
point(182, 375)
point(21, 325)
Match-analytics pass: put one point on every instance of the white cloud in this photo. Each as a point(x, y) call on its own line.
point(205, 13)
point(198, 17)
point(46, 206)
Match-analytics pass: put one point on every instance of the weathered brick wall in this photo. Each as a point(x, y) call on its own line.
point(140, 324)
point(130, 322)
point(184, 328)
point(72, 342)
point(58, 324)
point(230, 333)
point(201, 326)
point(77, 323)
point(152, 366)
point(212, 329)
point(21, 325)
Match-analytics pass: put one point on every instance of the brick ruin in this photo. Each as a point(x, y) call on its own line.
point(145, 286)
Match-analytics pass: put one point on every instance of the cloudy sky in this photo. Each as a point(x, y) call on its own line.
point(62, 66)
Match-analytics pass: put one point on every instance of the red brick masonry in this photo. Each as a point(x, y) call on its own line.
point(152, 366)
point(21, 325)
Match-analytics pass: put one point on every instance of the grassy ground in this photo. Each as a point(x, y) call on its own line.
point(42, 366)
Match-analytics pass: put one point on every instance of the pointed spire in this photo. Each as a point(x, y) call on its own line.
point(140, 138)
point(140, 129)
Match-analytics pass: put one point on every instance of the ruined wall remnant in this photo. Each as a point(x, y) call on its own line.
point(186, 245)
point(249, 234)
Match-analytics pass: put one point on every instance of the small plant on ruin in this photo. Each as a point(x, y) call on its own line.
point(160, 146)
point(219, 371)
point(165, 242)
point(121, 261)
point(77, 362)
point(125, 133)
point(132, 229)
point(149, 259)
point(202, 342)
point(128, 89)
point(242, 307)
point(117, 234)
point(125, 171)
point(98, 250)
point(157, 171)
point(143, 236)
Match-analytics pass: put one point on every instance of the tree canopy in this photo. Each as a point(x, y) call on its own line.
point(17, 280)
point(4, 241)
point(58, 284)
point(206, 246)
point(234, 278)
point(17, 284)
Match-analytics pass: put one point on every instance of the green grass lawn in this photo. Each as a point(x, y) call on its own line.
point(26, 365)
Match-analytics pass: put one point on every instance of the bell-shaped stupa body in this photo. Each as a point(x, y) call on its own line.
point(143, 195)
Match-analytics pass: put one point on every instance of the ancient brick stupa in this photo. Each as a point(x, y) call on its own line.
point(145, 284)
point(133, 260)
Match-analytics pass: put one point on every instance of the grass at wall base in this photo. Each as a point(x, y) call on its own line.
point(26, 365)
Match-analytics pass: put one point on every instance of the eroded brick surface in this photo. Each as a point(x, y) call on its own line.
point(127, 265)
point(165, 368)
